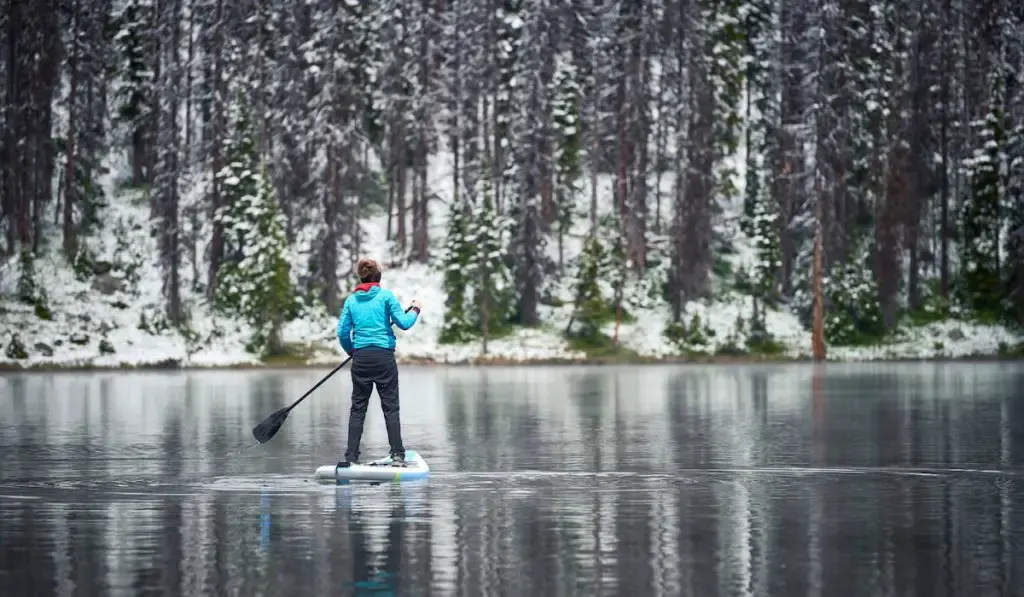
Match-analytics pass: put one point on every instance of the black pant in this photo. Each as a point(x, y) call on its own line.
point(374, 366)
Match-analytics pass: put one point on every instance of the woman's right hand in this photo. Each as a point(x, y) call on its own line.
point(416, 304)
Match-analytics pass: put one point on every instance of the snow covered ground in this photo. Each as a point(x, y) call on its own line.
point(99, 322)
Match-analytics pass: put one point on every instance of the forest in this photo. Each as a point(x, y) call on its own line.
point(874, 150)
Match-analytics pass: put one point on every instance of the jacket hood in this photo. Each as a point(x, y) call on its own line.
point(367, 291)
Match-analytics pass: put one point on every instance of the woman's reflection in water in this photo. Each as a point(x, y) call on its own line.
point(377, 571)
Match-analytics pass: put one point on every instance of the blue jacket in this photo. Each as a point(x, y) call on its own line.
point(367, 316)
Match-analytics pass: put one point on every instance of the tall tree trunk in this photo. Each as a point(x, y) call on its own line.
point(166, 196)
point(71, 186)
point(401, 192)
point(888, 234)
point(696, 233)
point(329, 249)
point(818, 317)
point(219, 131)
point(944, 141)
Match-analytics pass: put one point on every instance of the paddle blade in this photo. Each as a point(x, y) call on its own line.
point(269, 426)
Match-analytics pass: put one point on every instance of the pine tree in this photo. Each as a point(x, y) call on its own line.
point(726, 44)
point(980, 280)
point(590, 307)
point(854, 314)
point(566, 115)
point(758, 35)
point(491, 278)
point(134, 101)
point(458, 254)
point(766, 244)
point(28, 290)
point(616, 266)
point(255, 278)
point(1013, 301)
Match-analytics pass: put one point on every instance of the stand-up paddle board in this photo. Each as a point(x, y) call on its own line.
point(377, 470)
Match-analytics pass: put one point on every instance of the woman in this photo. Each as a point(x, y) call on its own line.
point(364, 331)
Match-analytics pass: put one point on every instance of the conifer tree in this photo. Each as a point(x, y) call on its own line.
point(761, 109)
point(590, 307)
point(766, 244)
point(568, 165)
point(726, 46)
point(255, 278)
point(855, 314)
point(616, 266)
point(1014, 243)
point(134, 99)
point(489, 273)
point(458, 254)
point(980, 281)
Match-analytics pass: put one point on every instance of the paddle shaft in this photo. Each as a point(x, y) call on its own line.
point(326, 377)
point(319, 383)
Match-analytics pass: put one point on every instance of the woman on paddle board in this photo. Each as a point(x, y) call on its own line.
point(364, 331)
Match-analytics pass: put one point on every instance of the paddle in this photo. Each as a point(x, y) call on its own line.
point(268, 427)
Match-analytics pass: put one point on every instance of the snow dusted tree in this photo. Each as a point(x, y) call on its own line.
point(590, 308)
point(1014, 296)
point(526, 169)
point(426, 31)
point(392, 98)
point(694, 182)
point(135, 98)
point(1014, 199)
point(88, 53)
point(457, 258)
point(980, 276)
point(761, 110)
point(761, 219)
point(635, 26)
point(616, 266)
point(766, 245)
point(507, 89)
point(31, 61)
point(854, 313)
point(255, 278)
point(727, 44)
point(461, 78)
point(566, 114)
point(490, 277)
point(166, 196)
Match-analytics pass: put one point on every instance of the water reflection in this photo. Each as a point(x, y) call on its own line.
point(769, 480)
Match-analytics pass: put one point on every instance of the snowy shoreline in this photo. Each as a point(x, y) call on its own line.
point(7, 367)
point(117, 320)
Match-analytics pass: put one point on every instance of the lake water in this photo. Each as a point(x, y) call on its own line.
point(897, 479)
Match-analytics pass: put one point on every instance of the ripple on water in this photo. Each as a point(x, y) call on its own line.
point(514, 484)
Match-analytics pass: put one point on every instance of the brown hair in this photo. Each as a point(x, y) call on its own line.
point(368, 271)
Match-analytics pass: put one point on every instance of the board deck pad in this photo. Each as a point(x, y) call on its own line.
point(376, 470)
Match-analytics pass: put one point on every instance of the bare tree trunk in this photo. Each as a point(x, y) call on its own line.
point(402, 173)
point(593, 183)
point(944, 141)
point(329, 249)
point(70, 189)
point(391, 201)
point(818, 321)
point(188, 83)
point(219, 126)
point(887, 238)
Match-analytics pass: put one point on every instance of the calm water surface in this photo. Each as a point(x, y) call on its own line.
point(777, 480)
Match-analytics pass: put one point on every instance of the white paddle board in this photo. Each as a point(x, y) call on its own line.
point(377, 470)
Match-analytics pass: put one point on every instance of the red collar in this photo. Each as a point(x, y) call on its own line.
point(366, 286)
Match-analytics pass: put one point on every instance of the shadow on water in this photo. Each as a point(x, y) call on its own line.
point(761, 480)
